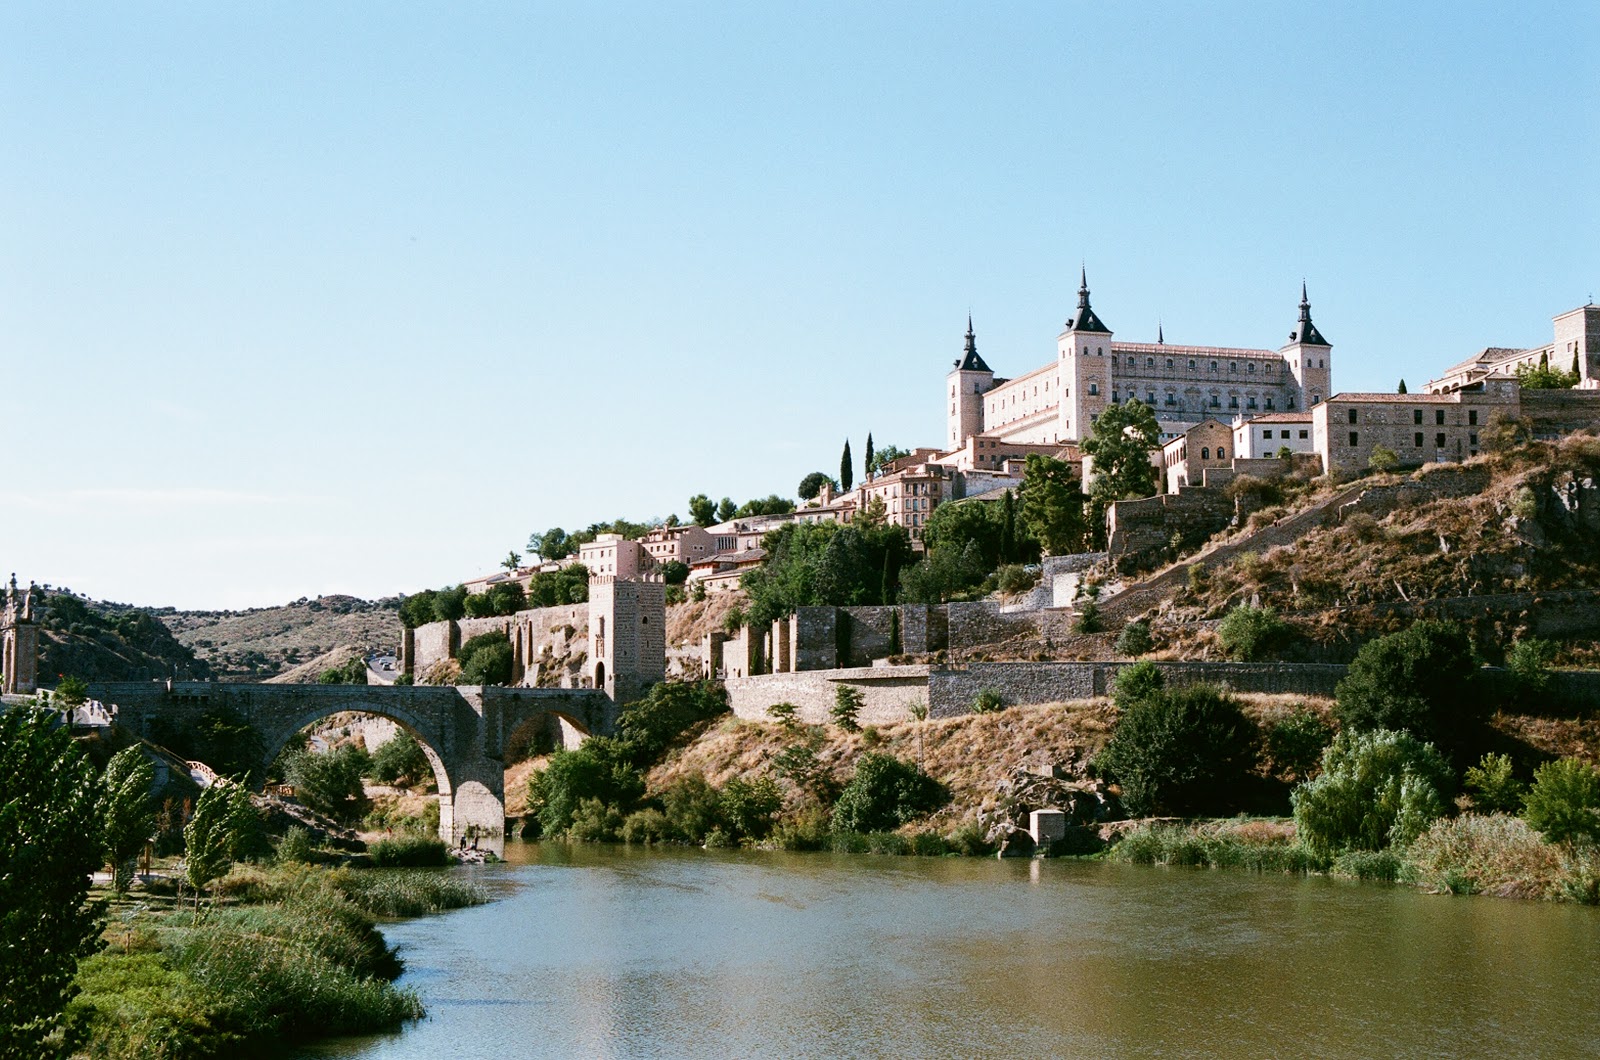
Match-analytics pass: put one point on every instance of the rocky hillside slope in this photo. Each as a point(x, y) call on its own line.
point(265, 642)
point(100, 641)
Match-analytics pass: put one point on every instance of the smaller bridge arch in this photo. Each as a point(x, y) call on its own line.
point(464, 730)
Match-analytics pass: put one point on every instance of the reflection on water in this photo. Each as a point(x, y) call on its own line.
point(617, 952)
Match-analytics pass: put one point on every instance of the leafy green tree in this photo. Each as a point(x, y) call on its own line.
point(597, 770)
point(1383, 459)
point(812, 485)
point(221, 737)
point(486, 660)
point(450, 604)
point(768, 505)
point(846, 467)
point(1136, 683)
point(846, 712)
point(1185, 750)
point(512, 561)
point(1422, 679)
point(352, 672)
point(650, 726)
point(885, 793)
point(1135, 638)
point(1544, 377)
point(553, 545)
point(692, 806)
point(130, 812)
point(703, 510)
point(1529, 664)
point(954, 525)
point(810, 564)
point(569, 585)
point(1564, 802)
point(1493, 786)
point(418, 609)
point(1251, 634)
point(785, 714)
point(725, 509)
point(750, 807)
point(1295, 743)
point(1052, 504)
point(208, 839)
point(400, 760)
point(50, 843)
point(674, 572)
point(71, 693)
point(1120, 443)
point(1377, 788)
point(330, 781)
point(882, 458)
point(244, 824)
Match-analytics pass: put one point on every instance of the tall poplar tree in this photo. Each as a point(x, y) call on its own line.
point(846, 468)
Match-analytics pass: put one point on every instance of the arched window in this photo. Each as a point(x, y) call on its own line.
point(1222, 454)
point(1169, 362)
point(1205, 452)
point(1149, 362)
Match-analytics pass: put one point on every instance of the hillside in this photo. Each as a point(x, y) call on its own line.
point(265, 642)
point(109, 642)
point(1519, 556)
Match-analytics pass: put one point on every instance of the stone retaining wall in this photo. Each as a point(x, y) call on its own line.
point(887, 691)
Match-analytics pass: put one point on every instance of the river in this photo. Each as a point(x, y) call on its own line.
point(600, 951)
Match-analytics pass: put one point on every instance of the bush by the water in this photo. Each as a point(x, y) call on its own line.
point(1294, 743)
point(1493, 786)
point(409, 851)
point(1564, 802)
point(884, 794)
point(1501, 855)
point(302, 960)
point(1206, 846)
point(1181, 751)
point(1376, 789)
point(400, 760)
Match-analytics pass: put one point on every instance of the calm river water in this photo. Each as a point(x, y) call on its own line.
point(615, 952)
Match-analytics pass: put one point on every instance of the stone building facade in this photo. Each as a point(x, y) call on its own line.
point(1184, 459)
point(19, 643)
point(1575, 347)
point(627, 635)
point(1182, 384)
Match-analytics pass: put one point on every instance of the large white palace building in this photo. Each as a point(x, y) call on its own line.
point(1057, 403)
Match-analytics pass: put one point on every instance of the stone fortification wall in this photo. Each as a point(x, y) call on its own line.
point(951, 690)
point(981, 623)
point(1141, 531)
point(887, 691)
point(541, 633)
point(1560, 412)
point(1440, 482)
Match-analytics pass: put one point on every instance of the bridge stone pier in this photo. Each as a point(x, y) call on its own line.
point(463, 730)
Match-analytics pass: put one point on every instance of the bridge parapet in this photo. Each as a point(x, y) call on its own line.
point(464, 730)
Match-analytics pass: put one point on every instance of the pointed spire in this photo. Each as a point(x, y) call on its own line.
point(1084, 319)
point(1161, 337)
point(970, 361)
point(1305, 331)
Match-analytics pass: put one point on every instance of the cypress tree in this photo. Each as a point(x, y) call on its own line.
point(867, 466)
point(1402, 389)
point(846, 471)
point(1008, 529)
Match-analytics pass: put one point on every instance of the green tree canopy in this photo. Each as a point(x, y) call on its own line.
point(130, 812)
point(486, 660)
point(885, 793)
point(725, 509)
point(1544, 377)
point(329, 781)
point(768, 505)
point(569, 585)
point(1377, 788)
point(450, 604)
point(1052, 503)
point(208, 839)
point(809, 564)
point(882, 458)
point(1422, 680)
point(553, 545)
point(1120, 442)
point(812, 485)
point(50, 842)
point(1184, 750)
point(1564, 802)
point(702, 509)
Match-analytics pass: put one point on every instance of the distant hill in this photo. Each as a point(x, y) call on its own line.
point(100, 641)
point(264, 642)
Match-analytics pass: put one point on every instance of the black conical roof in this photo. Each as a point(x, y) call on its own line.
point(1084, 318)
point(970, 361)
point(1305, 332)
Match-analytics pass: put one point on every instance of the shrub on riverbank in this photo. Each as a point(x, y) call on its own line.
point(1218, 847)
point(409, 852)
point(1180, 751)
point(297, 957)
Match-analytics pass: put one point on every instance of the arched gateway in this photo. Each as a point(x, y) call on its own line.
point(463, 730)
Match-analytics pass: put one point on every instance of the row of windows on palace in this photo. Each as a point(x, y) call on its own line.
point(1172, 400)
point(1233, 366)
point(1417, 440)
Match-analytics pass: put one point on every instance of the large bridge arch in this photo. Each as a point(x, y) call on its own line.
point(464, 730)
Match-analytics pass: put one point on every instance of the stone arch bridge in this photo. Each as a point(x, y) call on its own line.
point(463, 730)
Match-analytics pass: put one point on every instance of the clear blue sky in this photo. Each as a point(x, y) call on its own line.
point(314, 298)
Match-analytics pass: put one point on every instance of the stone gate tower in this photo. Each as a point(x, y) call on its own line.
point(19, 643)
point(627, 634)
